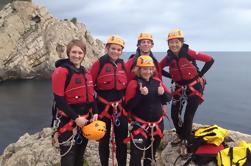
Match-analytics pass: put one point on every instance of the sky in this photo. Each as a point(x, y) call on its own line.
point(208, 25)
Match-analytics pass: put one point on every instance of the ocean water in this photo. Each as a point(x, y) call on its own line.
point(26, 105)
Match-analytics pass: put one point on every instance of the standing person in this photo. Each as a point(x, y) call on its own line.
point(145, 95)
point(188, 81)
point(144, 46)
point(73, 91)
point(110, 80)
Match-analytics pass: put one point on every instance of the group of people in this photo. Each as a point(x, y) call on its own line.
point(120, 93)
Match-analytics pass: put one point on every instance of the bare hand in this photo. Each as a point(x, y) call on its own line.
point(81, 121)
point(94, 117)
point(161, 90)
point(143, 90)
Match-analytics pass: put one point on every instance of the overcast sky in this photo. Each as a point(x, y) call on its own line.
point(208, 25)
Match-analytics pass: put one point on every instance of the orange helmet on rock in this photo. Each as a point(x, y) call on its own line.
point(145, 61)
point(95, 130)
point(114, 39)
point(175, 34)
point(145, 36)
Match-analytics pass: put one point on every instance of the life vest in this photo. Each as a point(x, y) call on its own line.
point(211, 134)
point(183, 67)
point(235, 156)
point(111, 76)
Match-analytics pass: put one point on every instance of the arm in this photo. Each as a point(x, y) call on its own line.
point(133, 96)
point(58, 82)
point(202, 57)
point(163, 63)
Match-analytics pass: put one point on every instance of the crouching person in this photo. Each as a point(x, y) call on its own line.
point(144, 97)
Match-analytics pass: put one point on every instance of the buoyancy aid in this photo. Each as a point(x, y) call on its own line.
point(78, 86)
point(235, 156)
point(111, 75)
point(183, 67)
point(211, 134)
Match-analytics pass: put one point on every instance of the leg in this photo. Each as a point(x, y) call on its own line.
point(192, 105)
point(135, 153)
point(69, 152)
point(175, 110)
point(80, 150)
point(104, 144)
point(121, 133)
point(151, 152)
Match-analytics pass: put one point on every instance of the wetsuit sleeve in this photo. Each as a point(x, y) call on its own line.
point(202, 57)
point(94, 71)
point(132, 96)
point(58, 83)
point(166, 97)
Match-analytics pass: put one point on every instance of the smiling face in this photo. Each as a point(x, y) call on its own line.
point(175, 45)
point(76, 56)
point(145, 46)
point(114, 51)
point(146, 72)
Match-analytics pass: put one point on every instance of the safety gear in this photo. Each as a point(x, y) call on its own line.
point(175, 34)
point(145, 36)
point(145, 61)
point(239, 155)
point(184, 66)
point(212, 134)
point(74, 91)
point(111, 77)
point(114, 39)
point(95, 130)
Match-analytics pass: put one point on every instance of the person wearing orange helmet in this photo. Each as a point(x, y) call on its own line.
point(144, 97)
point(144, 45)
point(188, 83)
point(110, 81)
point(73, 92)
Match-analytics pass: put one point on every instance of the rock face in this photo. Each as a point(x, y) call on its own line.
point(37, 150)
point(31, 40)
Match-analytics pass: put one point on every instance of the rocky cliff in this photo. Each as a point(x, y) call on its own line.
point(37, 150)
point(31, 40)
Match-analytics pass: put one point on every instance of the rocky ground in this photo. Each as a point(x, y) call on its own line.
point(37, 150)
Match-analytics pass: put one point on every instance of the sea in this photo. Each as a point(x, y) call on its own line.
point(25, 105)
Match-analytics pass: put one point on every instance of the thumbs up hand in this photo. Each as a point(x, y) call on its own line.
point(160, 90)
point(143, 90)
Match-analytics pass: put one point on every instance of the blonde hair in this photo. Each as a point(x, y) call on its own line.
point(136, 70)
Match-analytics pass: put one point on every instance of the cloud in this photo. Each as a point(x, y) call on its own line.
point(208, 25)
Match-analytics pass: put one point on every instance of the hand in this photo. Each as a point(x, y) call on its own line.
point(161, 90)
point(94, 117)
point(143, 90)
point(164, 108)
point(81, 121)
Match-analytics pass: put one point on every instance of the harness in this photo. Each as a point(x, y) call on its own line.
point(180, 91)
point(117, 111)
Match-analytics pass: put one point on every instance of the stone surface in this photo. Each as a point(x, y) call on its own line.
point(36, 150)
point(31, 40)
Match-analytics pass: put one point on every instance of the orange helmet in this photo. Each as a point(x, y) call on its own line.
point(175, 34)
point(146, 36)
point(145, 61)
point(114, 39)
point(95, 130)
